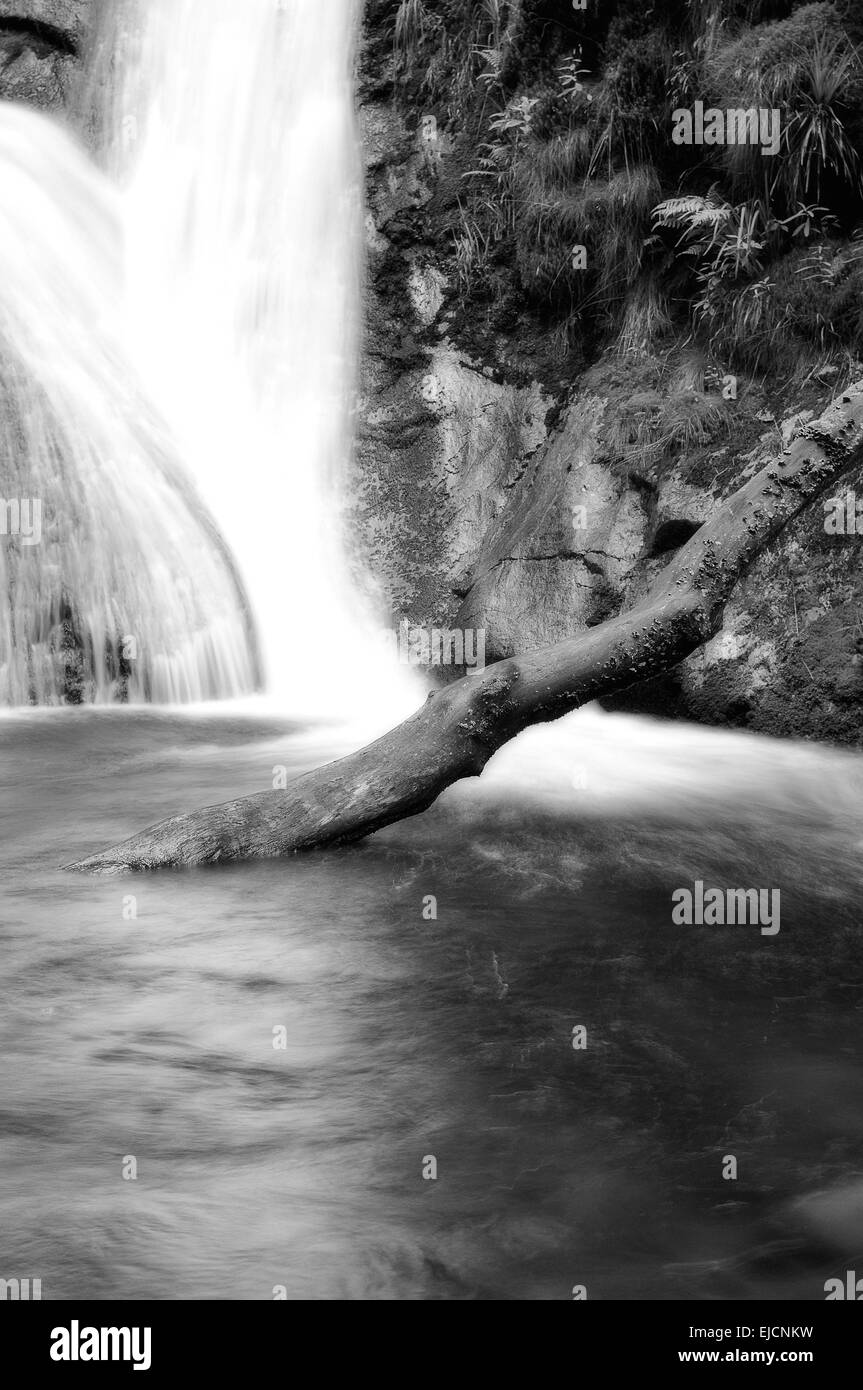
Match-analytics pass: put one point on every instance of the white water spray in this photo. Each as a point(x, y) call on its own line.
point(236, 150)
point(126, 592)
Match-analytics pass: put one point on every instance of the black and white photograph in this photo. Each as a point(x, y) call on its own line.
point(431, 665)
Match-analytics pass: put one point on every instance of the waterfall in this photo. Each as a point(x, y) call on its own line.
point(232, 137)
point(178, 346)
point(113, 583)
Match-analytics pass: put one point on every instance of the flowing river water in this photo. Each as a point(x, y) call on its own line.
point(138, 1020)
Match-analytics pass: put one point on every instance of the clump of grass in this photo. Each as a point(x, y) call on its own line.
point(473, 247)
point(819, 151)
point(691, 419)
point(653, 428)
point(609, 217)
point(413, 30)
point(743, 326)
point(766, 57)
point(646, 319)
point(805, 67)
point(559, 163)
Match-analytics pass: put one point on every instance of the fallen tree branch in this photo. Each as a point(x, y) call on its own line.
point(459, 727)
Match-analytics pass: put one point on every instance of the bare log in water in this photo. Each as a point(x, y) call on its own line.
point(459, 728)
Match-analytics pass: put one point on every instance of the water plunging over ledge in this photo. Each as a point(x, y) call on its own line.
point(113, 581)
point(179, 355)
point(235, 146)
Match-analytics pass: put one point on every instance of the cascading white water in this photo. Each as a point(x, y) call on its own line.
point(126, 591)
point(235, 147)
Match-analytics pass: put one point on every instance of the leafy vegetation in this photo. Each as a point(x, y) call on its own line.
point(564, 129)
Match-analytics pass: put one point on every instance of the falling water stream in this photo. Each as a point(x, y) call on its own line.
point(126, 568)
point(236, 150)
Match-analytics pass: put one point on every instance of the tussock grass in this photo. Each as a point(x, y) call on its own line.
point(805, 67)
point(646, 320)
point(609, 217)
point(655, 427)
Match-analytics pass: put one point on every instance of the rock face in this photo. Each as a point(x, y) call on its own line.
point(505, 488)
point(40, 47)
point(442, 440)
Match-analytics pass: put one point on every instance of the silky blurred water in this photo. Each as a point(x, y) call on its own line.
point(122, 589)
point(406, 1038)
point(233, 141)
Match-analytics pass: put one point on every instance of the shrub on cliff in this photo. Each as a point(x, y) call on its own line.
point(807, 68)
point(630, 117)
